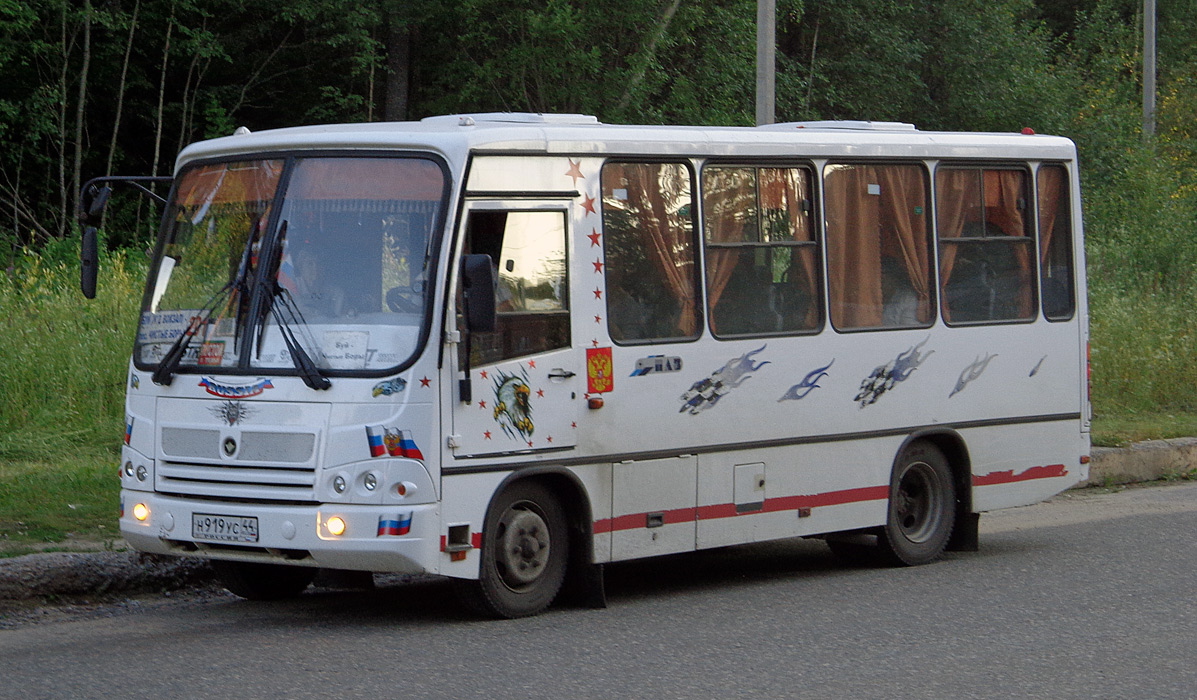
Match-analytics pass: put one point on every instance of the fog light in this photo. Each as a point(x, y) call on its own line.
point(371, 481)
point(141, 511)
point(128, 469)
point(339, 484)
point(336, 526)
point(142, 472)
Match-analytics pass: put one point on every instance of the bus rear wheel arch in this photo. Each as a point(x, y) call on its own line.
point(922, 506)
point(921, 513)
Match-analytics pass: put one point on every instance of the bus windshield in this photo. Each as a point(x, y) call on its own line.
point(263, 259)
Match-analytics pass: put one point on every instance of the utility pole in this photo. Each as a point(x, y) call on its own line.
point(766, 50)
point(1148, 69)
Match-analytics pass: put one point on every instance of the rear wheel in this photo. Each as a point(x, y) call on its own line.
point(525, 547)
point(922, 507)
point(255, 581)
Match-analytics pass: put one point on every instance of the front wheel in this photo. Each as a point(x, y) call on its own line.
point(922, 507)
point(525, 547)
point(255, 581)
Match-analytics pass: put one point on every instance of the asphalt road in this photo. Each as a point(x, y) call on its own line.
point(1087, 596)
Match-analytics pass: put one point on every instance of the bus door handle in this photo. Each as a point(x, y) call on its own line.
point(558, 373)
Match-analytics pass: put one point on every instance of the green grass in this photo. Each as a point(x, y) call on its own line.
point(72, 501)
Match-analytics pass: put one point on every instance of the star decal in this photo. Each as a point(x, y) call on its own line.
point(598, 266)
point(529, 443)
point(486, 434)
point(483, 373)
point(481, 404)
point(575, 171)
point(540, 393)
point(594, 342)
point(588, 204)
point(425, 381)
point(594, 237)
point(549, 438)
point(573, 424)
point(598, 319)
point(532, 364)
point(598, 293)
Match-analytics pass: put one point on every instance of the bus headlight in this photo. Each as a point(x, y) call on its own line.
point(141, 511)
point(370, 481)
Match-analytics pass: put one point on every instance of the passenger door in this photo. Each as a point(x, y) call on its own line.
point(524, 383)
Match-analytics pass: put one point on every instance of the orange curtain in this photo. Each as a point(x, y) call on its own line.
point(729, 205)
point(667, 242)
point(955, 191)
point(904, 196)
point(1051, 185)
point(1005, 202)
point(853, 246)
point(788, 189)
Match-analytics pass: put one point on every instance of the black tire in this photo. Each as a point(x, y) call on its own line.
point(525, 547)
point(922, 507)
point(254, 581)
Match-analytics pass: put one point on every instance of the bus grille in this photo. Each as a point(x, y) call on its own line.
point(240, 482)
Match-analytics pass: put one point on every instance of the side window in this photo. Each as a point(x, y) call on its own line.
point(648, 243)
point(528, 250)
point(879, 267)
point(986, 253)
point(1055, 244)
point(761, 256)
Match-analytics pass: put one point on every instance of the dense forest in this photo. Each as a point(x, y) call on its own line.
point(95, 87)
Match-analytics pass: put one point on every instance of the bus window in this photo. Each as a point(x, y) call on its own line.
point(528, 250)
point(879, 269)
point(986, 253)
point(1055, 244)
point(761, 253)
point(648, 241)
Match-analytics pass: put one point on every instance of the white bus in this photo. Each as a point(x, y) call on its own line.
point(510, 348)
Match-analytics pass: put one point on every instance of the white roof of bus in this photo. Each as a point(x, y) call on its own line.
point(575, 134)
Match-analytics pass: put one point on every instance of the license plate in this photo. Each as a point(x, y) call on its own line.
point(224, 528)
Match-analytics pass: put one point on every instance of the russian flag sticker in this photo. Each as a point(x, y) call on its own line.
point(394, 525)
point(410, 449)
point(128, 429)
point(374, 435)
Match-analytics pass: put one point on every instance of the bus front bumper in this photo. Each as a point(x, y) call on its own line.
point(375, 538)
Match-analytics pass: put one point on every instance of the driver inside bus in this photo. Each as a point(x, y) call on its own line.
point(316, 291)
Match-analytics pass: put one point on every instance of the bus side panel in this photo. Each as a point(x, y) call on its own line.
point(1022, 464)
point(795, 491)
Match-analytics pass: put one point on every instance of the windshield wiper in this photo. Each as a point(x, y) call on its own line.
point(288, 316)
point(308, 371)
point(164, 374)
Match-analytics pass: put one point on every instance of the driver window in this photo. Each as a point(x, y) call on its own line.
point(527, 249)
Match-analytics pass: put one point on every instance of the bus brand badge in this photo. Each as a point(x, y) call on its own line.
point(656, 363)
point(232, 412)
point(230, 391)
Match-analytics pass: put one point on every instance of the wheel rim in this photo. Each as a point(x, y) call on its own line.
point(917, 502)
point(523, 547)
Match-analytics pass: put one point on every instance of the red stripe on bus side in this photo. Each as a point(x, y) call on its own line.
point(636, 521)
point(1051, 471)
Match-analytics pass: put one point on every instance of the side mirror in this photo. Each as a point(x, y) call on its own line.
point(92, 204)
point(478, 285)
point(89, 259)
